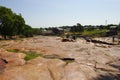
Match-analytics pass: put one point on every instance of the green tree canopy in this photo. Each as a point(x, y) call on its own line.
point(77, 28)
point(19, 23)
point(28, 31)
point(11, 24)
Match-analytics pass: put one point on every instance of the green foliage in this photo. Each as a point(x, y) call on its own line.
point(13, 50)
point(94, 33)
point(77, 28)
point(89, 28)
point(30, 55)
point(27, 31)
point(19, 24)
point(11, 24)
point(37, 31)
point(6, 21)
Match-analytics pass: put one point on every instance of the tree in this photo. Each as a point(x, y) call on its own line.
point(80, 28)
point(77, 28)
point(6, 27)
point(19, 23)
point(11, 24)
point(27, 31)
point(73, 28)
point(90, 27)
point(37, 31)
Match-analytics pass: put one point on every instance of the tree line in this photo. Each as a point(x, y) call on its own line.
point(12, 25)
point(81, 28)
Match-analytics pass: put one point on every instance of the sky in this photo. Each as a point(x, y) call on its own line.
point(55, 13)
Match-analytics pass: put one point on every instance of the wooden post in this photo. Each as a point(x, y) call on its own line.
point(113, 39)
point(118, 39)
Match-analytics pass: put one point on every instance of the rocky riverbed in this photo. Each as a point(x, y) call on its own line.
point(78, 60)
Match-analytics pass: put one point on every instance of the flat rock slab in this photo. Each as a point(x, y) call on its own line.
point(91, 61)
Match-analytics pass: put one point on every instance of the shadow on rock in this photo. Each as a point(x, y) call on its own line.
point(108, 77)
point(88, 39)
point(115, 66)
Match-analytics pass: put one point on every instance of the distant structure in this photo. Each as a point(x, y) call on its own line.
point(113, 32)
point(57, 31)
point(53, 31)
point(60, 30)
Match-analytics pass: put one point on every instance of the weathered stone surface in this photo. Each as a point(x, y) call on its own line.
point(2, 65)
point(28, 72)
point(73, 72)
point(13, 59)
point(115, 65)
point(76, 71)
point(91, 61)
point(54, 66)
point(38, 69)
point(106, 68)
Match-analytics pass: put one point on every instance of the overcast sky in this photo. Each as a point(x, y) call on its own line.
point(53, 13)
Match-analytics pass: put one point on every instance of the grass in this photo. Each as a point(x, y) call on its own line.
point(13, 50)
point(92, 33)
point(95, 33)
point(29, 54)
